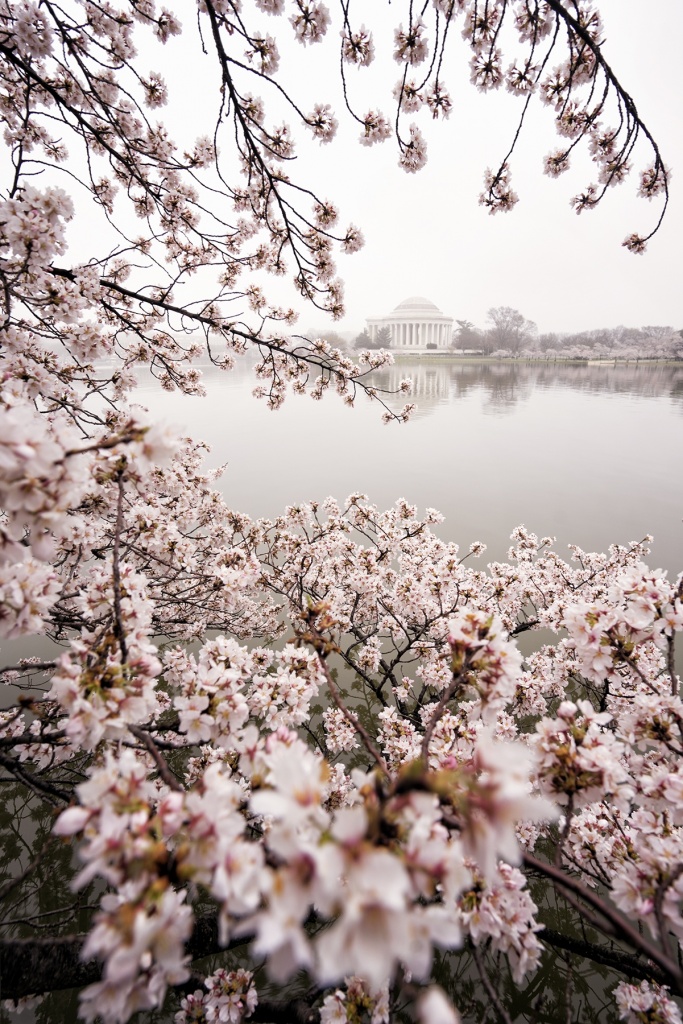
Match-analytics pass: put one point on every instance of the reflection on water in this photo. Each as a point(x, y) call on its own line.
point(589, 454)
point(506, 384)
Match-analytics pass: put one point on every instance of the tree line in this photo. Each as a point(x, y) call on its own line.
point(509, 333)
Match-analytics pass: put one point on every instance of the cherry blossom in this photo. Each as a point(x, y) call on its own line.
point(358, 47)
point(323, 123)
point(310, 22)
point(411, 45)
point(556, 163)
point(376, 128)
point(498, 196)
point(414, 153)
point(646, 1002)
point(434, 1007)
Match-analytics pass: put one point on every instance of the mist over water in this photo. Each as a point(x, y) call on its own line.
point(589, 454)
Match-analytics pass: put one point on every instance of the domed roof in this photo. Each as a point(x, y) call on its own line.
point(417, 304)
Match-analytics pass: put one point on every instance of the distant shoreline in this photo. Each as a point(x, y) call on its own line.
point(607, 361)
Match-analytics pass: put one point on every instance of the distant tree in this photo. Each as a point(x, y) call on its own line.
point(631, 336)
point(510, 329)
point(608, 339)
point(384, 337)
point(657, 332)
point(667, 346)
point(466, 335)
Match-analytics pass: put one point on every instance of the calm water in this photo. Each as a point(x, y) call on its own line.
point(589, 454)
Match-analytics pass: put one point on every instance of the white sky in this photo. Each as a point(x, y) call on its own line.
point(425, 233)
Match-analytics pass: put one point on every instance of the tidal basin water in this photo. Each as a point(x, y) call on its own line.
point(591, 454)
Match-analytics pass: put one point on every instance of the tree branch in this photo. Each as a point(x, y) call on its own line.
point(621, 926)
point(37, 965)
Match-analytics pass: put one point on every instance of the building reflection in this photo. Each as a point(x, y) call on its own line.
point(503, 386)
point(431, 384)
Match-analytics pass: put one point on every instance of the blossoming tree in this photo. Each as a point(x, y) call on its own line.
point(389, 813)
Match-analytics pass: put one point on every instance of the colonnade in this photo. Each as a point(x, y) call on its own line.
point(414, 324)
point(415, 334)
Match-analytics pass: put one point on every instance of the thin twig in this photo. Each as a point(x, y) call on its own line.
point(116, 567)
point(490, 991)
point(613, 917)
point(37, 785)
point(164, 771)
point(446, 696)
point(12, 883)
point(660, 894)
point(351, 718)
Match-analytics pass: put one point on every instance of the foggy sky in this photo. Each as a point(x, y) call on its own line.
point(425, 233)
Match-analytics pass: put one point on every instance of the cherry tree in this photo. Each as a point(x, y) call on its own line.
point(510, 329)
point(309, 748)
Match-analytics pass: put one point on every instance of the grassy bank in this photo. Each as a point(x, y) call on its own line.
point(451, 357)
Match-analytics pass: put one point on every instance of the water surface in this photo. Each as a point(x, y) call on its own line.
point(590, 454)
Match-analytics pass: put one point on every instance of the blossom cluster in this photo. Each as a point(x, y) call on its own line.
point(230, 997)
point(384, 903)
point(470, 754)
point(456, 816)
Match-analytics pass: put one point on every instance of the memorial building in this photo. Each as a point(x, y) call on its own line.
point(416, 324)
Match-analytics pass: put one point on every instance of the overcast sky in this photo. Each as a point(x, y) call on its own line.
point(425, 233)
